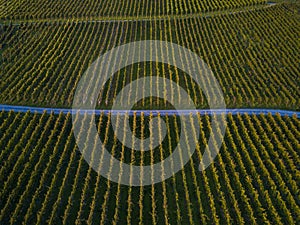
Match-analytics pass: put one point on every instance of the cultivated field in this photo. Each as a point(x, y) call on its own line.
point(253, 179)
point(251, 46)
point(43, 62)
point(47, 9)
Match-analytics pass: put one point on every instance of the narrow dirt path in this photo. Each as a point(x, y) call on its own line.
point(147, 112)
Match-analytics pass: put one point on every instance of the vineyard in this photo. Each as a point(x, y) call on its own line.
point(252, 48)
point(254, 178)
point(42, 9)
point(43, 62)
